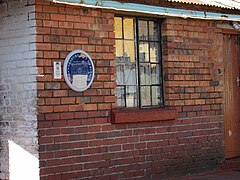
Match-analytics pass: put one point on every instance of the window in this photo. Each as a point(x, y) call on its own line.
point(138, 57)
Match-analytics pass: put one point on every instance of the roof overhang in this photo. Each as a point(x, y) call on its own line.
point(225, 4)
point(149, 9)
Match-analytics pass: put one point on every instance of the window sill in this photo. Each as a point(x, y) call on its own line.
point(143, 115)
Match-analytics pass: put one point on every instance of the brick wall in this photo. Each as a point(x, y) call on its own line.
point(77, 139)
point(18, 114)
point(192, 50)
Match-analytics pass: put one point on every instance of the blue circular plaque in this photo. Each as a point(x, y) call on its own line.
point(78, 70)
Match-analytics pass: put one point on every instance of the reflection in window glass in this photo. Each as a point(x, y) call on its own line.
point(128, 28)
point(143, 52)
point(129, 51)
point(126, 74)
point(154, 52)
point(153, 31)
point(120, 96)
point(155, 95)
point(145, 96)
point(145, 74)
point(118, 27)
point(143, 30)
point(155, 71)
point(119, 48)
point(131, 96)
point(130, 74)
point(120, 74)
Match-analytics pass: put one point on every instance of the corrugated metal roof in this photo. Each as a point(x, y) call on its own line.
point(228, 4)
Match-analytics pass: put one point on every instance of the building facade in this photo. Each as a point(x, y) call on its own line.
point(163, 102)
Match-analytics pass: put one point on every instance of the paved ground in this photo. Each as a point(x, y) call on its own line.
point(233, 174)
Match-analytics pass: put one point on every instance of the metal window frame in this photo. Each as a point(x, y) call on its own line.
point(137, 62)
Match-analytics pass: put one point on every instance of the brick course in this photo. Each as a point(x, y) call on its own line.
point(77, 139)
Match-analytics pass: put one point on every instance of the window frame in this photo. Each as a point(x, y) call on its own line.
point(137, 42)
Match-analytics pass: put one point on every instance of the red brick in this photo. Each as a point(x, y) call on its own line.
point(89, 48)
point(89, 107)
point(80, 40)
point(60, 93)
point(44, 78)
point(41, 102)
point(46, 93)
point(67, 115)
point(72, 32)
point(100, 120)
point(80, 114)
point(87, 33)
point(58, 17)
point(45, 109)
point(52, 101)
point(58, 31)
point(96, 99)
point(87, 19)
point(50, 9)
point(51, 54)
point(67, 130)
point(109, 84)
point(47, 23)
point(59, 123)
point(73, 18)
point(103, 77)
point(68, 100)
point(41, 30)
point(46, 140)
point(39, 38)
point(45, 124)
point(90, 92)
point(95, 41)
point(76, 107)
point(59, 47)
point(110, 99)
point(67, 40)
point(68, 25)
point(62, 108)
point(104, 106)
point(52, 116)
point(39, 23)
point(54, 131)
point(108, 56)
point(80, 26)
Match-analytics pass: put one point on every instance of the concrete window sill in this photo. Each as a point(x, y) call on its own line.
point(143, 115)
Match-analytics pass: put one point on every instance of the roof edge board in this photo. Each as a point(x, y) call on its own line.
point(149, 9)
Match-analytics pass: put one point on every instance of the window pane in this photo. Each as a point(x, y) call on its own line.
point(120, 74)
point(143, 30)
point(130, 75)
point(129, 51)
point(145, 74)
point(143, 52)
point(155, 74)
point(120, 96)
point(128, 28)
point(154, 52)
point(156, 95)
point(118, 27)
point(119, 50)
point(153, 31)
point(131, 96)
point(145, 96)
